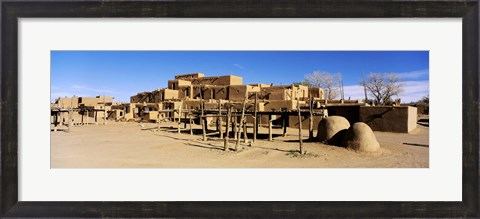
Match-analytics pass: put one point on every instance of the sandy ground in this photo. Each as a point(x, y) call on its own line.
point(134, 145)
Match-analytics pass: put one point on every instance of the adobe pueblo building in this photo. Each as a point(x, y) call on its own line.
point(224, 104)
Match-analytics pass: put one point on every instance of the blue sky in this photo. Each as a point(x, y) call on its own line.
point(122, 74)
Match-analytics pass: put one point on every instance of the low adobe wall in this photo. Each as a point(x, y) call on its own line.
point(389, 119)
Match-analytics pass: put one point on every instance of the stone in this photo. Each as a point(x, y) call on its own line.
point(332, 129)
point(360, 137)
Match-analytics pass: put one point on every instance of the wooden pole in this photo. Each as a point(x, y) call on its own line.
point(242, 118)
point(185, 118)
point(364, 87)
point(299, 126)
point(179, 117)
point(158, 120)
point(255, 123)
point(225, 140)
point(284, 124)
point(202, 119)
point(55, 118)
point(270, 127)
point(310, 119)
point(87, 117)
point(245, 131)
point(104, 111)
point(234, 126)
point(190, 122)
point(70, 114)
point(69, 119)
point(219, 119)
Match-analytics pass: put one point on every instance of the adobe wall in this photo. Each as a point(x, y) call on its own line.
point(65, 102)
point(169, 94)
point(299, 91)
point(107, 99)
point(237, 92)
point(156, 96)
point(140, 98)
point(218, 80)
point(189, 76)
point(351, 113)
point(150, 116)
point(389, 119)
point(185, 92)
point(233, 80)
point(412, 118)
point(315, 92)
point(175, 84)
point(273, 93)
point(220, 92)
point(293, 122)
point(279, 105)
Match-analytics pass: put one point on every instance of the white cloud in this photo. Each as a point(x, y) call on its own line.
point(355, 92)
point(412, 74)
point(87, 88)
point(239, 66)
point(412, 91)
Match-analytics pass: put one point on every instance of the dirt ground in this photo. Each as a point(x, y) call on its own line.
point(135, 145)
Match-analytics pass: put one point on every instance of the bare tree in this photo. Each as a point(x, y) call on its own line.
point(304, 82)
point(383, 87)
point(425, 99)
point(330, 82)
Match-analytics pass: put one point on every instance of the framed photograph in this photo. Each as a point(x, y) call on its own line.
point(239, 109)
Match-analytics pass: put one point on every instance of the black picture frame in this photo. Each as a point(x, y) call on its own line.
point(468, 10)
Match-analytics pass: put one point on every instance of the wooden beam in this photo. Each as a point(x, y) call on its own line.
point(242, 118)
point(299, 126)
point(190, 122)
point(310, 119)
point(234, 126)
point(203, 119)
point(179, 117)
point(255, 120)
point(219, 120)
point(225, 140)
point(270, 128)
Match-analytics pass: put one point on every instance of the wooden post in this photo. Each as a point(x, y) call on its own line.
point(55, 118)
point(284, 124)
point(202, 119)
point(179, 117)
point(190, 122)
point(234, 126)
point(255, 123)
point(225, 140)
point(310, 119)
point(82, 122)
point(245, 131)
point(219, 119)
point(270, 127)
point(87, 117)
point(173, 114)
point(158, 120)
point(69, 119)
point(242, 119)
point(185, 118)
point(104, 111)
point(299, 126)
